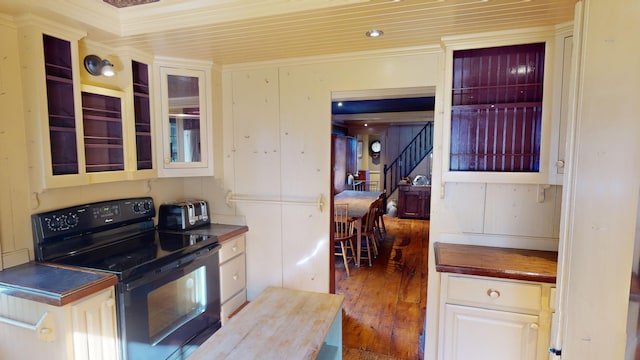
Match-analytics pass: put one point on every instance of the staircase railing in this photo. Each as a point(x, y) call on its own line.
point(409, 158)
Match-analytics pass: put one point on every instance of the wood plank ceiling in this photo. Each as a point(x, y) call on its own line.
point(336, 28)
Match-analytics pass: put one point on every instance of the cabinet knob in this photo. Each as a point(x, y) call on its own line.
point(560, 164)
point(235, 277)
point(234, 249)
point(533, 326)
point(492, 293)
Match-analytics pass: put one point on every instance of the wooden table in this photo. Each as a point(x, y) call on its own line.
point(280, 324)
point(359, 202)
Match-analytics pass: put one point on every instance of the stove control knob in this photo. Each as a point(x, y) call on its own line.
point(54, 223)
point(72, 220)
point(147, 205)
point(136, 207)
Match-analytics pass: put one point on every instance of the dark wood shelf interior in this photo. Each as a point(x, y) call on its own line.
point(103, 139)
point(496, 115)
point(62, 125)
point(140, 74)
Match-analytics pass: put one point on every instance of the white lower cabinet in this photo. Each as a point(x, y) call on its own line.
point(488, 318)
point(84, 329)
point(475, 333)
point(93, 321)
point(233, 276)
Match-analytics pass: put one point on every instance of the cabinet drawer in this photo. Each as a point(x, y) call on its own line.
point(231, 248)
point(489, 293)
point(232, 277)
point(232, 305)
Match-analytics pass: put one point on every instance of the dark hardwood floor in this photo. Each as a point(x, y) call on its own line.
point(384, 308)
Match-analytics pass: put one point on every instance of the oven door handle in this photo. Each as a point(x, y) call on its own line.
point(184, 264)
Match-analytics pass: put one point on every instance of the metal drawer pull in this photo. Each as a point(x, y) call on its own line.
point(494, 294)
point(24, 325)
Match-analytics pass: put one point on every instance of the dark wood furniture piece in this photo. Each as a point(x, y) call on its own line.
point(344, 160)
point(363, 175)
point(414, 201)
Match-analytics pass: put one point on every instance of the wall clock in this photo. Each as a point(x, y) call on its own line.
point(376, 146)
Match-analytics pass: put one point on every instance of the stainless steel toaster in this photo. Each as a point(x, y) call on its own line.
point(183, 214)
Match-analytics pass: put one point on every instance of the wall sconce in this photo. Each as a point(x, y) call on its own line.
point(96, 66)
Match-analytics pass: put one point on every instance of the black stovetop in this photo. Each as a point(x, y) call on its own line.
point(140, 254)
point(117, 236)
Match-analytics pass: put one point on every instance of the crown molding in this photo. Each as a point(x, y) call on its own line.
point(52, 27)
point(506, 37)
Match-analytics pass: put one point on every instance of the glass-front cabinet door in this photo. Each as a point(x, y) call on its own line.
point(185, 123)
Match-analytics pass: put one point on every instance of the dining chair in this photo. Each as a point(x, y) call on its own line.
point(344, 234)
point(366, 186)
point(380, 225)
point(368, 240)
point(359, 185)
point(371, 186)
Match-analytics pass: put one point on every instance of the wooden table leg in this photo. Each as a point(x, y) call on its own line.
point(358, 225)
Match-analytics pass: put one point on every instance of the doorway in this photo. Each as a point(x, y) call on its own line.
point(389, 118)
point(381, 123)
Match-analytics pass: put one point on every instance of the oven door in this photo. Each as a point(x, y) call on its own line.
point(163, 314)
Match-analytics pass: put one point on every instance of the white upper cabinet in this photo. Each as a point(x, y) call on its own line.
point(81, 128)
point(184, 126)
point(502, 98)
point(52, 104)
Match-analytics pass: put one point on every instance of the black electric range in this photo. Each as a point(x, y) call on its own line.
point(168, 294)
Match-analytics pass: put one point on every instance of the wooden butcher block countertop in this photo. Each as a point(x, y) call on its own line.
point(278, 324)
point(508, 263)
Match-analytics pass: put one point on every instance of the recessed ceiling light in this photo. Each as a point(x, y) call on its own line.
point(374, 33)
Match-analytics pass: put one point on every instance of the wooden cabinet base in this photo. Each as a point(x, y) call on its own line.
point(414, 202)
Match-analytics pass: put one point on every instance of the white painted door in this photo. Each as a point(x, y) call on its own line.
point(480, 334)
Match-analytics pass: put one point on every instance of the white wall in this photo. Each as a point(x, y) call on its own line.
point(280, 146)
point(602, 194)
point(14, 191)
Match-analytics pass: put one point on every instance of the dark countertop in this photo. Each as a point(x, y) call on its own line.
point(59, 285)
point(53, 284)
point(222, 231)
point(507, 263)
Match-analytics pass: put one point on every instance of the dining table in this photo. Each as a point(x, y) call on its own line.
point(359, 203)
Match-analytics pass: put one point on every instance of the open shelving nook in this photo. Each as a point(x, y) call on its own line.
point(60, 102)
